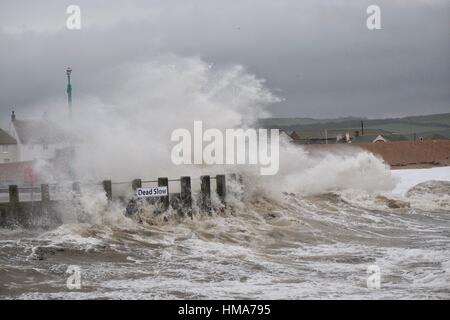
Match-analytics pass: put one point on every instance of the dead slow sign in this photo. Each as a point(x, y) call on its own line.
point(151, 192)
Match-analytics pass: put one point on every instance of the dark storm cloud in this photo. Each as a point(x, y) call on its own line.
point(317, 55)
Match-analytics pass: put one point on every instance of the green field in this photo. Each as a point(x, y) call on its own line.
point(443, 119)
point(426, 125)
point(406, 128)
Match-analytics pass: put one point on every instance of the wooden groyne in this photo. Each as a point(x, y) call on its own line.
point(29, 213)
point(44, 210)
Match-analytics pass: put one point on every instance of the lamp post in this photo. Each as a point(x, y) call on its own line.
point(69, 101)
point(69, 91)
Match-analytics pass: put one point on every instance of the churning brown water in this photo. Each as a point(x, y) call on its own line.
point(295, 247)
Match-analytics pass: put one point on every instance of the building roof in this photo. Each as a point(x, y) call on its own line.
point(44, 131)
point(372, 138)
point(379, 138)
point(5, 138)
point(395, 137)
point(285, 134)
point(295, 136)
point(365, 138)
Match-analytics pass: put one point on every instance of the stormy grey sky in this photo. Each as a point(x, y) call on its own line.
point(317, 55)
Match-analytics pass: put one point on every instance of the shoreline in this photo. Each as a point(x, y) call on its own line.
point(418, 166)
point(397, 154)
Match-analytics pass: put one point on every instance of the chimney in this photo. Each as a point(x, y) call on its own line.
point(13, 116)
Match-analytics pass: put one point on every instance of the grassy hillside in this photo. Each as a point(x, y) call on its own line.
point(287, 122)
point(443, 119)
point(420, 125)
point(404, 128)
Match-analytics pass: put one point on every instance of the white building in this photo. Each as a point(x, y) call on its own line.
point(8, 148)
point(37, 139)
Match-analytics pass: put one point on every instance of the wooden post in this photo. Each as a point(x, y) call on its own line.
point(13, 195)
point(76, 188)
point(185, 195)
point(135, 184)
point(45, 193)
point(45, 201)
point(221, 187)
point(205, 193)
point(107, 186)
point(235, 178)
point(76, 192)
point(164, 182)
point(13, 214)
